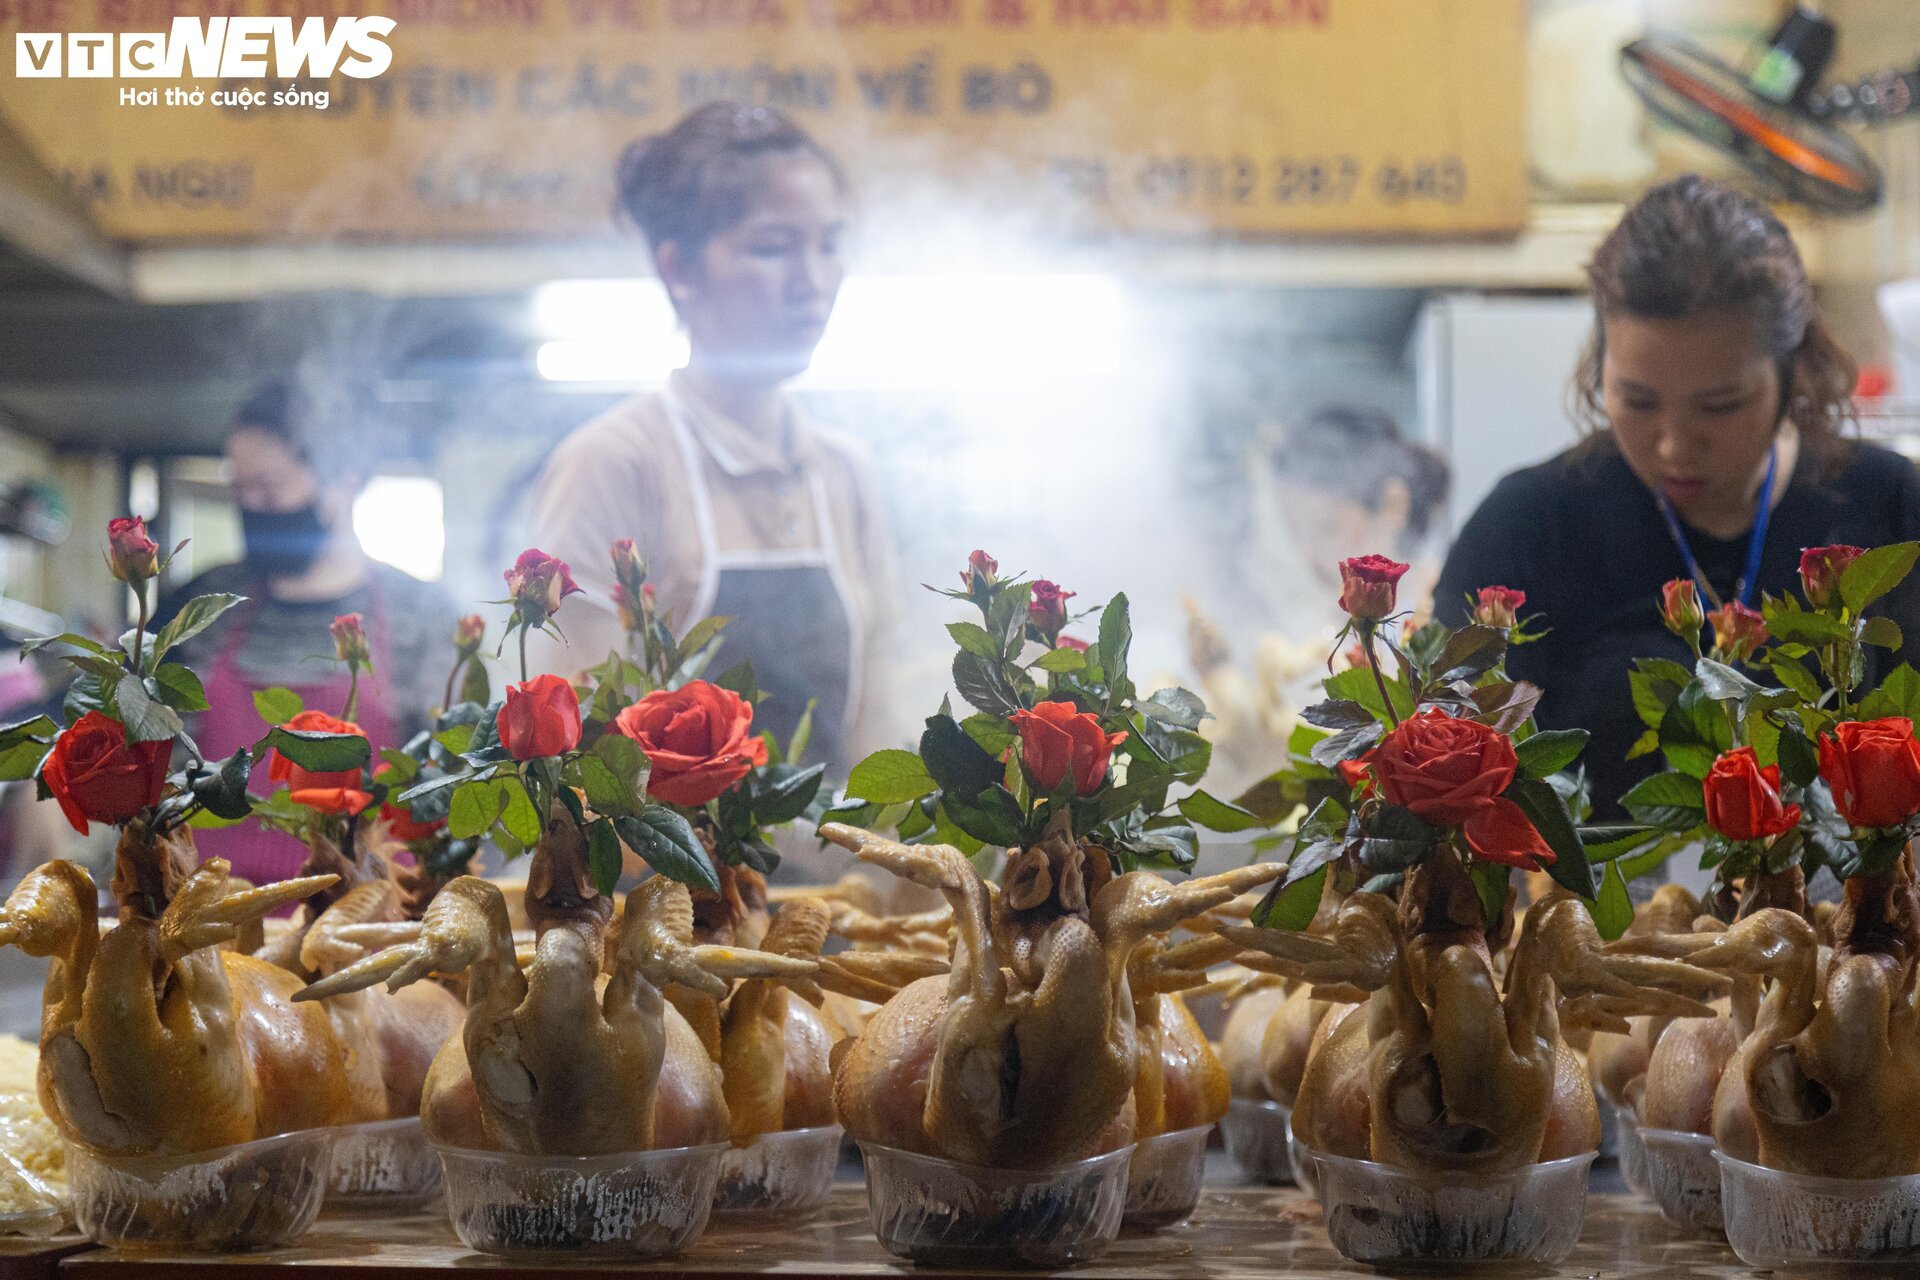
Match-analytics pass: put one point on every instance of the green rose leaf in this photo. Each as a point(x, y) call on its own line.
point(891, 777)
point(1875, 572)
point(1613, 909)
point(1218, 815)
point(667, 844)
point(194, 617)
point(1672, 801)
point(603, 855)
point(1290, 906)
point(277, 705)
point(317, 752)
point(1550, 750)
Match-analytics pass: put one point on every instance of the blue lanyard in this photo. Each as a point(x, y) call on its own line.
point(1756, 541)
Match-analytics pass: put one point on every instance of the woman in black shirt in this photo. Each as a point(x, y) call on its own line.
point(1712, 391)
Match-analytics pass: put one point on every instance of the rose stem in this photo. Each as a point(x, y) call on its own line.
point(1373, 662)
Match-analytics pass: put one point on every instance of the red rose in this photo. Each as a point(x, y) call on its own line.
point(400, 823)
point(347, 800)
point(281, 769)
point(1499, 606)
point(981, 572)
point(350, 640)
point(1074, 643)
point(541, 718)
point(1820, 570)
point(1681, 610)
point(98, 776)
point(1368, 585)
point(537, 584)
point(1057, 742)
point(1873, 767)
point(1743, 800)
point(1450, 772)
point(131, 555)
point(1737, 630)
point(699, 739)
point(1047, 609)
point(1356, 772)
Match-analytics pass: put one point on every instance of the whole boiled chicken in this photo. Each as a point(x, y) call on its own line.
point(1443, 1069)
point(157, 1040)
point(561, 1057)
point(1027, 1054)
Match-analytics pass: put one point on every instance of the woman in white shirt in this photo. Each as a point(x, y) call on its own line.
point(739, 505)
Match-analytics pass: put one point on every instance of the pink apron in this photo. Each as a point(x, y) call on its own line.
point(230, 723)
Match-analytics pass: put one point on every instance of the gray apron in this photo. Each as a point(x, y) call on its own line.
point(791, 617)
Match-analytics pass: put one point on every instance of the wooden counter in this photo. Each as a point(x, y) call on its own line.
point(1237, 1234)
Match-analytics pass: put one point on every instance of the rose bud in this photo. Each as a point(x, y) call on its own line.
point(132, 556)
point(1873, 767)
point(1450, 771)
point(1737, 630)
point(1047, 610)
point(1368, 586)
point(1058, 742)
point(401, 825)
point(1499, 607)
point(629, 570)
point(1820, 570)
point(350, 640)
point(97, 775)
point(1356, 772)
point(1743, 800)
point(981, 572)
point(630, 619)
point(537, 584)
point(1681, 610)
point(469, 634)
point(281, 769)
point(541, 718)
point(698, 739)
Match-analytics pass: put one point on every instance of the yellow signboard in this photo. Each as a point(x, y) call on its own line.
point(504, 117)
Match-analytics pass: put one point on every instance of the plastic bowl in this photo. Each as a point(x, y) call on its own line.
point(1629, 1145)
point(1380, 1214)
point(1163, 1179)
point(1777, 1219)
point(633, 1204)
point(382, 1166)
point(252, 1195)
point(949, 1214)
point(1682, 1179)
point(1255, 1133)
point(779, 1172)
point(1306, 1174)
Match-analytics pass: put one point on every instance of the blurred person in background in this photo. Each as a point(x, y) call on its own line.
point(1715, 404)
point(1341, 481)
point(740, 506)
point(295, 478)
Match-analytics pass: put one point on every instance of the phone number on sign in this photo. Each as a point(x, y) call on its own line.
point(1280, 180)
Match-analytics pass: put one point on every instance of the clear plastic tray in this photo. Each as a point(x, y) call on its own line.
point(779, 1172)
point(1630, 1147)
point(36, 1224)
point(1380, 1214)
point(1255, 1134)
point(1305, 1173)
point(1777, 1219)
point(383, 1166)
point(1163, 1179)
point(949, 1214)
point(634, 1204)
point(249, 1196)
point(1682, 1179)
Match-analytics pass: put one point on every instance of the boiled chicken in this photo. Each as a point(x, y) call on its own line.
point(1026, 1055)
point(560, 1058)
point(1442, 1069)
point(1824, 1084)
point(155, 1040)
